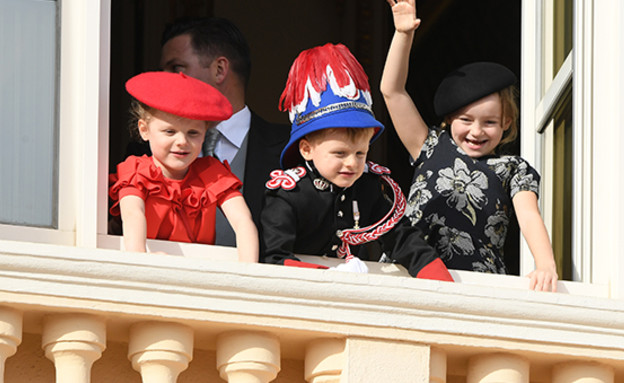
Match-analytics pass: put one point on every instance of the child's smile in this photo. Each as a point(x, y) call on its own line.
point(175, 142)
point(475, 145)
point(478, 127)
point(180, 154)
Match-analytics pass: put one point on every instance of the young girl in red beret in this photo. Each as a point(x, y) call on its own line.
point(174, 194)
point(463, 194)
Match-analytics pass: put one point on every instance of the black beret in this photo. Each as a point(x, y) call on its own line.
point(469, 83)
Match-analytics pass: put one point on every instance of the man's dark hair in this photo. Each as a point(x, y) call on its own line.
point(213, 37)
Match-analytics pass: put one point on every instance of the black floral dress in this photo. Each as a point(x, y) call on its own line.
point(463, 205)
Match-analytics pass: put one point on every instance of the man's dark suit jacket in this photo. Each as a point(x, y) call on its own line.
point(264, 146)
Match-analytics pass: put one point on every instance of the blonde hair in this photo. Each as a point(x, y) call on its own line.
point(138, 111)
point(510, 112)
point(508, 98)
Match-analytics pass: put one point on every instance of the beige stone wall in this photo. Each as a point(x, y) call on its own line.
point(88, 308)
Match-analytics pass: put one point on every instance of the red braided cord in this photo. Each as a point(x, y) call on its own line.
point(372, 232)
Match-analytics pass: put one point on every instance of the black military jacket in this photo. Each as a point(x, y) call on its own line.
point(307, 219)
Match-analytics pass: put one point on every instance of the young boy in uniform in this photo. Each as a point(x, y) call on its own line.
point(330, 201)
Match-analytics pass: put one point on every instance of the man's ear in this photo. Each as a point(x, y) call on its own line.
point(143, 130)
point(305, 149)
point(222, 69)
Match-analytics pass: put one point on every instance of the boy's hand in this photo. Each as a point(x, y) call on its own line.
point(543, 279)
point(404, 13)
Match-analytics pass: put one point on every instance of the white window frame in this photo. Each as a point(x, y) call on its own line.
point(540, 95)
point(594, 68)
point(64, 233)
point(85, 68)
point(83, 94)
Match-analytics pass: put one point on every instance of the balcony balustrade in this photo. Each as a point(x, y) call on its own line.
point(93, 315)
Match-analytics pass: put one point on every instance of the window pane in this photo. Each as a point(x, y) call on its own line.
point(562, 33)
point(28, 124)
point(562, 189)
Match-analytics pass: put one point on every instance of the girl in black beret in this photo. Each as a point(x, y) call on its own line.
point(463, 194)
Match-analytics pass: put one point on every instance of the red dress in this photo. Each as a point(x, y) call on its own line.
point(177, 210)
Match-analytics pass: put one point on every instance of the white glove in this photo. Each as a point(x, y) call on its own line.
point(355, 265)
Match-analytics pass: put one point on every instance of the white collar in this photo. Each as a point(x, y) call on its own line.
point(236, 127)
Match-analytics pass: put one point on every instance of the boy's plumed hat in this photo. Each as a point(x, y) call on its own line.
point(180, 95)
point(468, 84)
point(326, 88)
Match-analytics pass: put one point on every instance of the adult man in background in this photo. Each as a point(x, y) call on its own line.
point(215, 51)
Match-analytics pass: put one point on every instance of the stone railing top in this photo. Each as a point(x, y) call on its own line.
point(130, 282)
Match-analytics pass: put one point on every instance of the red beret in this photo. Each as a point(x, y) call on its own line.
point(181, 95)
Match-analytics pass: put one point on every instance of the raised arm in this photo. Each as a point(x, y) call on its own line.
point(134, 225)
point(544, 277)
point(238, 215)
point(409, 125)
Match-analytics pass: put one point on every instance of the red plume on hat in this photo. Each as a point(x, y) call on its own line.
point(314, 68)
point(313, 105)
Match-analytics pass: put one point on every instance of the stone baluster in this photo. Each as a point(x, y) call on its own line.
point(498, 367)
point(324, 360)
point(160, 351)
point(73, 342)
point(248, 357)
point(10, 335)
point(582, 372)
point(372, 360)
point(437, 366)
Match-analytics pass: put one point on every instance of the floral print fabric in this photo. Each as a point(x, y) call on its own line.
point(463, 205)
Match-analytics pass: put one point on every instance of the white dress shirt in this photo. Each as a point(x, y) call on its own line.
point(232, 132)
